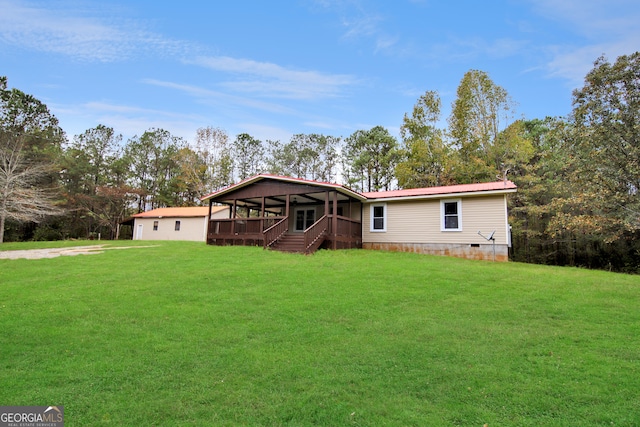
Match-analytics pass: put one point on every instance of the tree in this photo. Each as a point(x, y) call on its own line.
point(190, 184)
point(480, 112)
point(312, 156)
point(511, 150)
point(606, 147)
point(30, 139)
point(541, 180)
point(23, 196)
point(371, 156)
point(154, 167)
point(324, 156)
point(94, 175)
point(426, 158)
point(248, 154)
point(212, 145)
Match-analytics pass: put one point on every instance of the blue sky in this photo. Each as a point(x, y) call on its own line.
point(277, 68)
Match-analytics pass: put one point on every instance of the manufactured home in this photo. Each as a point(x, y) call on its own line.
point(297, 215)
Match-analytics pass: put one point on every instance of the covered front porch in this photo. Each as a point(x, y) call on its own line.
point(287, 214)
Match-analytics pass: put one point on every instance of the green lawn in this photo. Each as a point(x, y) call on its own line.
point(184, 334)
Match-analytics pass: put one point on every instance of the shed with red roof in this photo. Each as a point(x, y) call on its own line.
point(177, 223)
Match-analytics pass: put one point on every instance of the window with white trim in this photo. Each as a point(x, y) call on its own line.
point(451, 215)
point(379, 218)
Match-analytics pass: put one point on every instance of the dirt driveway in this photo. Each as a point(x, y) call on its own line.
point(56, 252)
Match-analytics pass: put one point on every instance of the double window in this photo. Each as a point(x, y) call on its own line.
point(451, 215)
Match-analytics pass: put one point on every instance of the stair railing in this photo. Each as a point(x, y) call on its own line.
point(277, 230)
point(314, 235)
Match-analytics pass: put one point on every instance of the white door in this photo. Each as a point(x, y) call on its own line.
point(304, 218)
point(139, 232)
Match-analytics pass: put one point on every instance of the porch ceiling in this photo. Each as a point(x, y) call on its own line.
point(274, 203)
point(274, 190)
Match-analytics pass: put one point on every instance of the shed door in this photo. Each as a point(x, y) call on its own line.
point(139, 232)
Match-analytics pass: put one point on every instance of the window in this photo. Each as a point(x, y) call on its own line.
point(379, 218)
point(155, 225)
point(177, 225)
point(451, 211)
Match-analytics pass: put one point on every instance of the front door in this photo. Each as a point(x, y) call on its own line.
point(304, 218)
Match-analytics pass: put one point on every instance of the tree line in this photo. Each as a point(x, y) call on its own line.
point(578, 176)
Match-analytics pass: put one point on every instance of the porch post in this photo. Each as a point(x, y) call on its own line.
point(208, 228)
point(326, 204)
point(233, 222)
point(334, 221)
point(286, 209)
point(262, 215)
point(326, 209)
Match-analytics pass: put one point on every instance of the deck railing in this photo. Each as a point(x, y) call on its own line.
point(277, 230)
point(314, 235)
point(266, 231)
point(230, 229)
point(347, 227)
point(347, 233)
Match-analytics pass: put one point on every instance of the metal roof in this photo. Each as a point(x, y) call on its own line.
point(497, 187)
point(179, 212)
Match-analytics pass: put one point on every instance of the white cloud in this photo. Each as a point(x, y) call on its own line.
point(360, 21)
point(384, 43)
point(272, 80)
point(360, 24)
point(593, 18)
point(212, 97)
point(127, 120)
point(604, 27)
point(43, 28)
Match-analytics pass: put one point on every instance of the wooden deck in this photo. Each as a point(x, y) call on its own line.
point(287, 214)
point(273, 233)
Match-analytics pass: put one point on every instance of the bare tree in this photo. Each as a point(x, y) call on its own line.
point(23, 197)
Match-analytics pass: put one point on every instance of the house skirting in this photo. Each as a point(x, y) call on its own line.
point(469, 251)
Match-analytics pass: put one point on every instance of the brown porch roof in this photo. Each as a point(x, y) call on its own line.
point(286, 179)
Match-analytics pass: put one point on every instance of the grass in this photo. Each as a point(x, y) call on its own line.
point(184, 334)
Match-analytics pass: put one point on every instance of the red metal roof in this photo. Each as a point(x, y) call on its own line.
point(182, 212)
point(448, 189)
point(497, 186)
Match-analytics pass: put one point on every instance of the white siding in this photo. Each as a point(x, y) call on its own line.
point(190, 229)
point(418, 221)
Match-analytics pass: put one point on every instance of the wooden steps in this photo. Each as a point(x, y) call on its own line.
point(290, 242)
